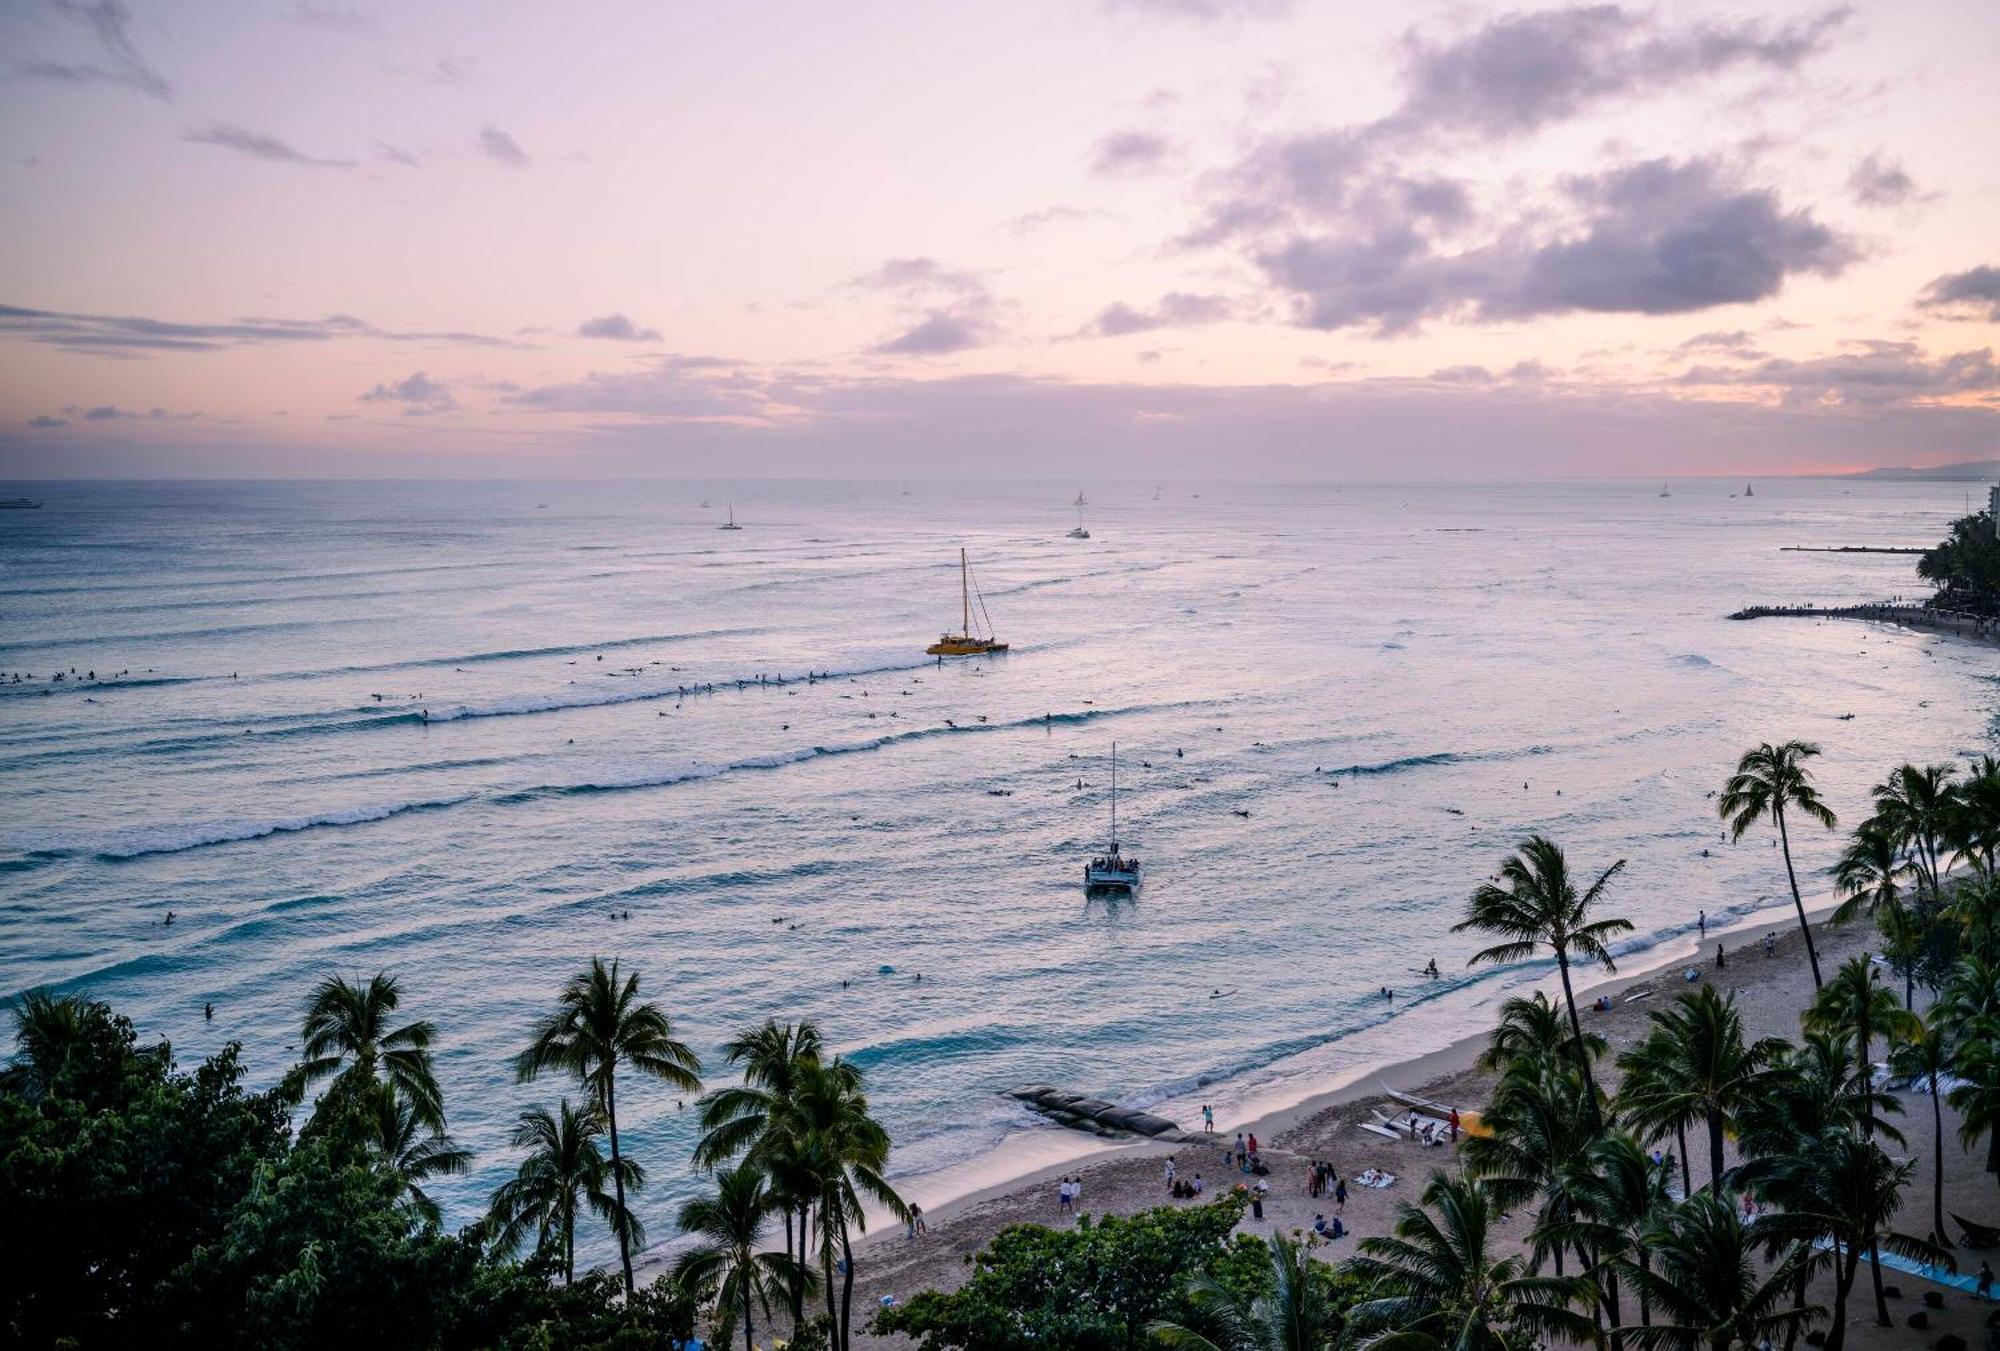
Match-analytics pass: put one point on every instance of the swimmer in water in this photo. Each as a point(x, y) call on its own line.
point(170, 917)
point(208, 1012)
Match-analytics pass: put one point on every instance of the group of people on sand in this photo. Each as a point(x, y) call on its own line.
point(1181, 1188)
point(1323, 1179)
point(1067, 1192)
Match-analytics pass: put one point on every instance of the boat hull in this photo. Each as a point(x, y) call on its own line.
point(1111, 879)
point(963, 647)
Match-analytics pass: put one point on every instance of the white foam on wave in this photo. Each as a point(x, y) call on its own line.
point(176, 839)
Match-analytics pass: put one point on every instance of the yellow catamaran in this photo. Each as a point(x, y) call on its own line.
point(965, 643)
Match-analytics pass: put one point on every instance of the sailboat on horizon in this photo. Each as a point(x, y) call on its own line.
point(1079, 532)
point(965, 643)
point(1112, 872)
point(729, 524)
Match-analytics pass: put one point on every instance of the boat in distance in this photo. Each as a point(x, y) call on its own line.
point(966, 643)
point(1114, 872)
point(729, 524)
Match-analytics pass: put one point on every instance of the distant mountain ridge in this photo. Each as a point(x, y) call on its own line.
point(1970, 471)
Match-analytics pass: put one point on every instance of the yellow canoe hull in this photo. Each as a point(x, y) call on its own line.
point(963, 647)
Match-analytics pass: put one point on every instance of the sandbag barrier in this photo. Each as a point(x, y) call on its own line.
point(1095, 1116)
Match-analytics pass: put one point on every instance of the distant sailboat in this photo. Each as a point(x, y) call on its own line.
point(965, 643)
point(1664, 492)
point(1079, 532)
point(1112, 871)
point(730, 524)
point(704, 504)
point(1749, 491)
point(1081, 500)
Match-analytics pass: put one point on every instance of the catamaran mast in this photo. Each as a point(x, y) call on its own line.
point(1114, 797)
point(964, 596)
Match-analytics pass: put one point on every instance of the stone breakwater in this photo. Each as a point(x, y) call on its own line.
point(1922, 617)
point(1095, 1116)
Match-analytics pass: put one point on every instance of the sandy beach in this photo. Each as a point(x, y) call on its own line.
point(1770, 990)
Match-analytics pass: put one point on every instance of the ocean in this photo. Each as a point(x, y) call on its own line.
point(438, 729)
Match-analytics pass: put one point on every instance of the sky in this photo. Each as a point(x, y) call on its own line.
point(1144, 238)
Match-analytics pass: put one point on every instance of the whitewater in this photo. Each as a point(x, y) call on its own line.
point(453, 730)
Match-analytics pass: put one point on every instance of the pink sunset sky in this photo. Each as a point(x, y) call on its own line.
point(1151, 237)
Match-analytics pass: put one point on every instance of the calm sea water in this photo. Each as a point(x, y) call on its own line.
point(1395, 683)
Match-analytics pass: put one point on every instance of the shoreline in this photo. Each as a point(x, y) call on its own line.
point(1769, 988)
point(1364, 1082)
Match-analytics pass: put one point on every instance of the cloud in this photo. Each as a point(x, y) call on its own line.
point(501, 148)
point(1879, 182)
point(46, 423)
point(1177, 309)
point(1657, 238)
point(131, 335)
point(395, 154)
point(1875, 373)
point(1029, 222)
point(1205, 11)
point(106, 413)
point(259, 146)
point(1129, 153)
point(952, 311)
point(673, 388)
point(107, 22)
point(1522, 72)
point(1735, 342)
point(1507, 78)
point(334, 18)
point(1972, 294)
point(418, 395)
point(617, 328)
point(939, 333)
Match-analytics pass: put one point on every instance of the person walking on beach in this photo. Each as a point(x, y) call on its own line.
point(1721, 962)
point(1340, 1194)
point(1703, 921)
point(1253, 1144)
point(1240, 1154)
point(1170, 1177)
point(1454, 1125)
point(1208, 1118)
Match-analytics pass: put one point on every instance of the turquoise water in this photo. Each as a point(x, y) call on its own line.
point(435, 729)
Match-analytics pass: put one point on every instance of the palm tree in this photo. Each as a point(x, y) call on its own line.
point(1857, 1004)
point(1870, 874)
point(1695, 1066)
point(843, 1151)
point(1703, 1276)
point(726, 1266)
point(52, 1034)
point(1769, 781)
point(1618, 1195)
point(1916, 806)
point(1538, 907)
point(1532, 1030)
point(600, 1023)
point(754, 1119)
point(1293, 1315)
point(1974, 828)
point(1977, 1098)
point(1843, 1188)
point(411, 1148)
point(1536, 1127)
point(1924, 1050)
point(1436, 1281)
point(347, 1032)
point(564, 1173)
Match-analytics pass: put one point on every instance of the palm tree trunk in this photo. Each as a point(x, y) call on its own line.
point(799, 1293)
point(1867, 1076)
point(1583, 1056)
point(1645, 1304)
point(846, 1284)
point(1617, 1314)
point(1715, 1153)
point(1799, 1287)
point(1836, 1336)
point(826, 1270)
point(749, 1342)
point(1882, 1318)
point(618, 1178)
point(569, 1248)
point(1937, 1165)
point(1687, 1174)
point(1785, 840)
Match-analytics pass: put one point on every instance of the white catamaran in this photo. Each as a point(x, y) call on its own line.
point(1112, 871)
